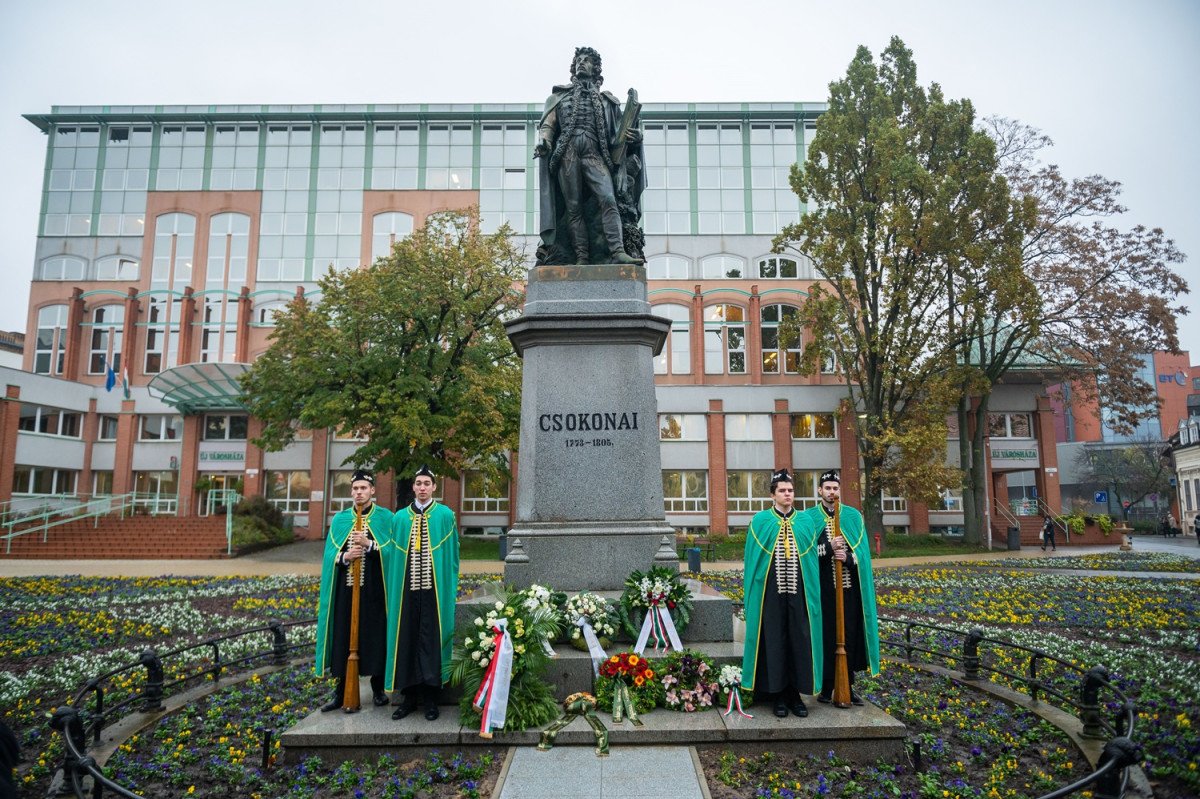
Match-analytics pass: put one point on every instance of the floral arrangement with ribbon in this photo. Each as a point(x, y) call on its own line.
point(540, 599)
point(689, 680)
point(625, 685)
point(499, 664)
point(587, 611)
point(663, 603)
point(574, 706)
point(730, 680)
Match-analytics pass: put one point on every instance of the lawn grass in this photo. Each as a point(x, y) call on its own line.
point(479, 547)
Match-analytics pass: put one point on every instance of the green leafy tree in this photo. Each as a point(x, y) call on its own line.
point(903, 199)
point(1131, 472)
point(409, 353)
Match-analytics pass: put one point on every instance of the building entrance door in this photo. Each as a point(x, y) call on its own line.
point(214, 497)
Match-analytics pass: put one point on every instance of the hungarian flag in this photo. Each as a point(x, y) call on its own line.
point(125, 381)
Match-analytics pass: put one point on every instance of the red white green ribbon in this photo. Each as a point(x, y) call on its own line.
point(492, 697)
point(658, 621)
point(735, 703)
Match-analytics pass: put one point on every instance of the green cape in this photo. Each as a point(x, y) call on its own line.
point(379, 520)
point(760, 546)
point(853, 530)
point(443, 544)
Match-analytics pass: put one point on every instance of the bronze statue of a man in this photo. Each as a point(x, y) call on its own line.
point(590, 173)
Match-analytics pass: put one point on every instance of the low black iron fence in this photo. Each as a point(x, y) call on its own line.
point(1104, 711)
point(1102, 708)
point(83, 720)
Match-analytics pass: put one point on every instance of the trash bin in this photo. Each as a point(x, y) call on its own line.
point(1014, 538)
point(693, 557)
point(503, 546)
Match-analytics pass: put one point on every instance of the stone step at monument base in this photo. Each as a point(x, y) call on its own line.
point(863, 734)
point(712, 614)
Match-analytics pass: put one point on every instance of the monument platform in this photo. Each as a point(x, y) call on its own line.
point(863, 734)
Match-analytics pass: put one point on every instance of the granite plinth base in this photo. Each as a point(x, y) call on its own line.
point(592, 556)
point(863, 734)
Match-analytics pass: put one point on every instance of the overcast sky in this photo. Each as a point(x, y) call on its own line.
point(1113, 83)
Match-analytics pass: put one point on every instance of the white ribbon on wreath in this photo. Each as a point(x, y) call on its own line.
point(594, 649)
point(658, 619)
point(492, 697)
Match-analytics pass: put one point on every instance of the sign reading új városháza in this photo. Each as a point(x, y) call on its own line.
point(595, 422)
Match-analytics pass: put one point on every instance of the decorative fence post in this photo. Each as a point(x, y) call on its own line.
point(153, 694)
point(66, 720)
point(971, 655)
point(279, 643)
point(1126, 753)
point(1089, 703)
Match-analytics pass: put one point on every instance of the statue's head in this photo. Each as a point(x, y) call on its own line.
point(593, 69)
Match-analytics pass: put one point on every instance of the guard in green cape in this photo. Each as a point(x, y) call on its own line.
point(854, 550)
point(423, 578)
point(783, 656)
point(342, 547)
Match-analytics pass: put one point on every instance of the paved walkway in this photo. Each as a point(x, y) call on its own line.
point(642, 772)
point(304, 557)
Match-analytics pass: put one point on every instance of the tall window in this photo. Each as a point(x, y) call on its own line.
point(159, 490)
point(676, 355)
point(181, 158)
point(806, 488)
point(125, 181)
point(64, 267)
point(283, 224)
point(724, 340)
point(395, 156)
point(386, 229)
point(722, 266)
point(264, 315)
point(102, 483)
point(70, 190)
point(749, 492)
point(234, 158)
point(481, 495)
point(666, 203)
point(337, 224)
point(504, 175)
point(449, 157)
point(108, 324)
point(666, 267)
point(174, 243)
point(50, 348)
point(772, 153)
point(685, 491)
point(228, 248)
point(892, 504)
point(814, 425)
point(108, 428)
point(720, 179)
point(773, 353)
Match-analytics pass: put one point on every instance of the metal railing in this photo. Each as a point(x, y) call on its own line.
point(225, 498)
point(33, 520)
point(1120, 752)
point(1044, 510)
point(81, 725)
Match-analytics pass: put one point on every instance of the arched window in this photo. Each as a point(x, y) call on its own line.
point(51, 345)
point(772, 353)
point(386, 229)
point(264, 315)
point(724, 340)
point(117, 267)
point(676, 355)
point(63, 267)
point(667, 267)
point(107, 324)
point(777, 268)
point(174, 244)
point(228, 250)
point(728, 267)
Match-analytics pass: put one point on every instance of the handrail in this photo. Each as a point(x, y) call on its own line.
point(1003, 511)
point(1120, 751)
point(1046, 511)
point(228, 498)
point(93, 508)
point(78, 764)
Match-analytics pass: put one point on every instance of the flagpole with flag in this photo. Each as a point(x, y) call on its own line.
point(125, 380)
point(110, 375)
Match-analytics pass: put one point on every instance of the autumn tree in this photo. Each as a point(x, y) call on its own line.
point(1103, 298)
point(903, 194)
point(409, 353)
point(1131, 472)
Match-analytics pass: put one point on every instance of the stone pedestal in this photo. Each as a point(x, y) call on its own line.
point(589, 493)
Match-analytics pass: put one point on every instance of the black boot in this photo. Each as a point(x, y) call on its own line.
point(336, 702)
